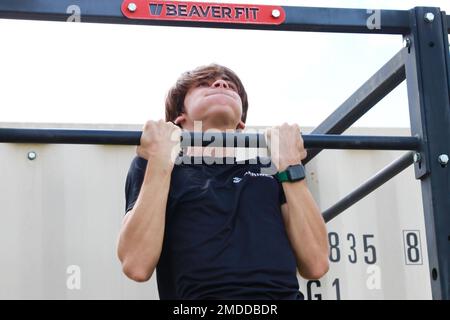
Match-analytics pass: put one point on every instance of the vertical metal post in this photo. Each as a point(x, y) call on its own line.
point(428, 93)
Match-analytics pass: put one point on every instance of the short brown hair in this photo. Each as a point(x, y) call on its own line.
point(176, 94)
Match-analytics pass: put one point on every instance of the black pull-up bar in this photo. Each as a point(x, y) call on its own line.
point(235, 139)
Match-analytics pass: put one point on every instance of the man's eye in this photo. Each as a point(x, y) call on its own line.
point(202, 84)
point(232, 86)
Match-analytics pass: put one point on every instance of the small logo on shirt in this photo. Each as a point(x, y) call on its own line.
point(252, 174)
point(237, 179)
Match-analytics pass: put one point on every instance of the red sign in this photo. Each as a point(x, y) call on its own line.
point(203, 12)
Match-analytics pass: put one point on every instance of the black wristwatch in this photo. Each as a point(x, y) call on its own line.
point(292, 173)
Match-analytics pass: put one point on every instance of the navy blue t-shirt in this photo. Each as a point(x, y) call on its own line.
point(224, 235)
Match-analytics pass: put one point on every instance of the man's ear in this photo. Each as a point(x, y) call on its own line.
point(241, 125)
point(180, 120)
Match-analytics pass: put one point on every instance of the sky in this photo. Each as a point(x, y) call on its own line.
point(61, 72)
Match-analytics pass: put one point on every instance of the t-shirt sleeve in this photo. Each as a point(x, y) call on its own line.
point(134, 180)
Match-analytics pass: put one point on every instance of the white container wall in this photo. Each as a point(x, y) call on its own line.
point(61, 213)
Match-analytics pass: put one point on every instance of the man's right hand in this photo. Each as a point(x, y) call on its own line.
point(160, 141)
point(141, 236)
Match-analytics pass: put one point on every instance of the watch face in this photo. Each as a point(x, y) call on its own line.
point(296, 172)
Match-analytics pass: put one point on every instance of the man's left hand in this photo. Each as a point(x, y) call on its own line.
point(285, 145)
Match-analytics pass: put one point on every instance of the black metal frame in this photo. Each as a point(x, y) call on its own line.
point(427, 73)
point(424, 62)
point(370, 185)
point(386, 79)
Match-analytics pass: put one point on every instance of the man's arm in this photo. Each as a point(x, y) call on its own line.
point(306, 230)
point(142, 233)
point(303, 220)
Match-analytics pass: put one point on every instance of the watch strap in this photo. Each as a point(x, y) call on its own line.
point(282, 176)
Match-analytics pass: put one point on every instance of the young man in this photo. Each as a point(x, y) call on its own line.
point(219, 231)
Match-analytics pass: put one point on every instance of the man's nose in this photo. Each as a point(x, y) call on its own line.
point(219, 83)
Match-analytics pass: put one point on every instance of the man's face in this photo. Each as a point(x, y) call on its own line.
point(215, 102)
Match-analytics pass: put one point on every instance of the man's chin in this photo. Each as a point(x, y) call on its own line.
point(219, 123)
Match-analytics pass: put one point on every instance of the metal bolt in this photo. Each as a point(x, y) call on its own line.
point(407, 43)
point(132, 7)
point(276, 13)
point(417, 157)
point(443, 159)
point(429, 17)
point(32, 155)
